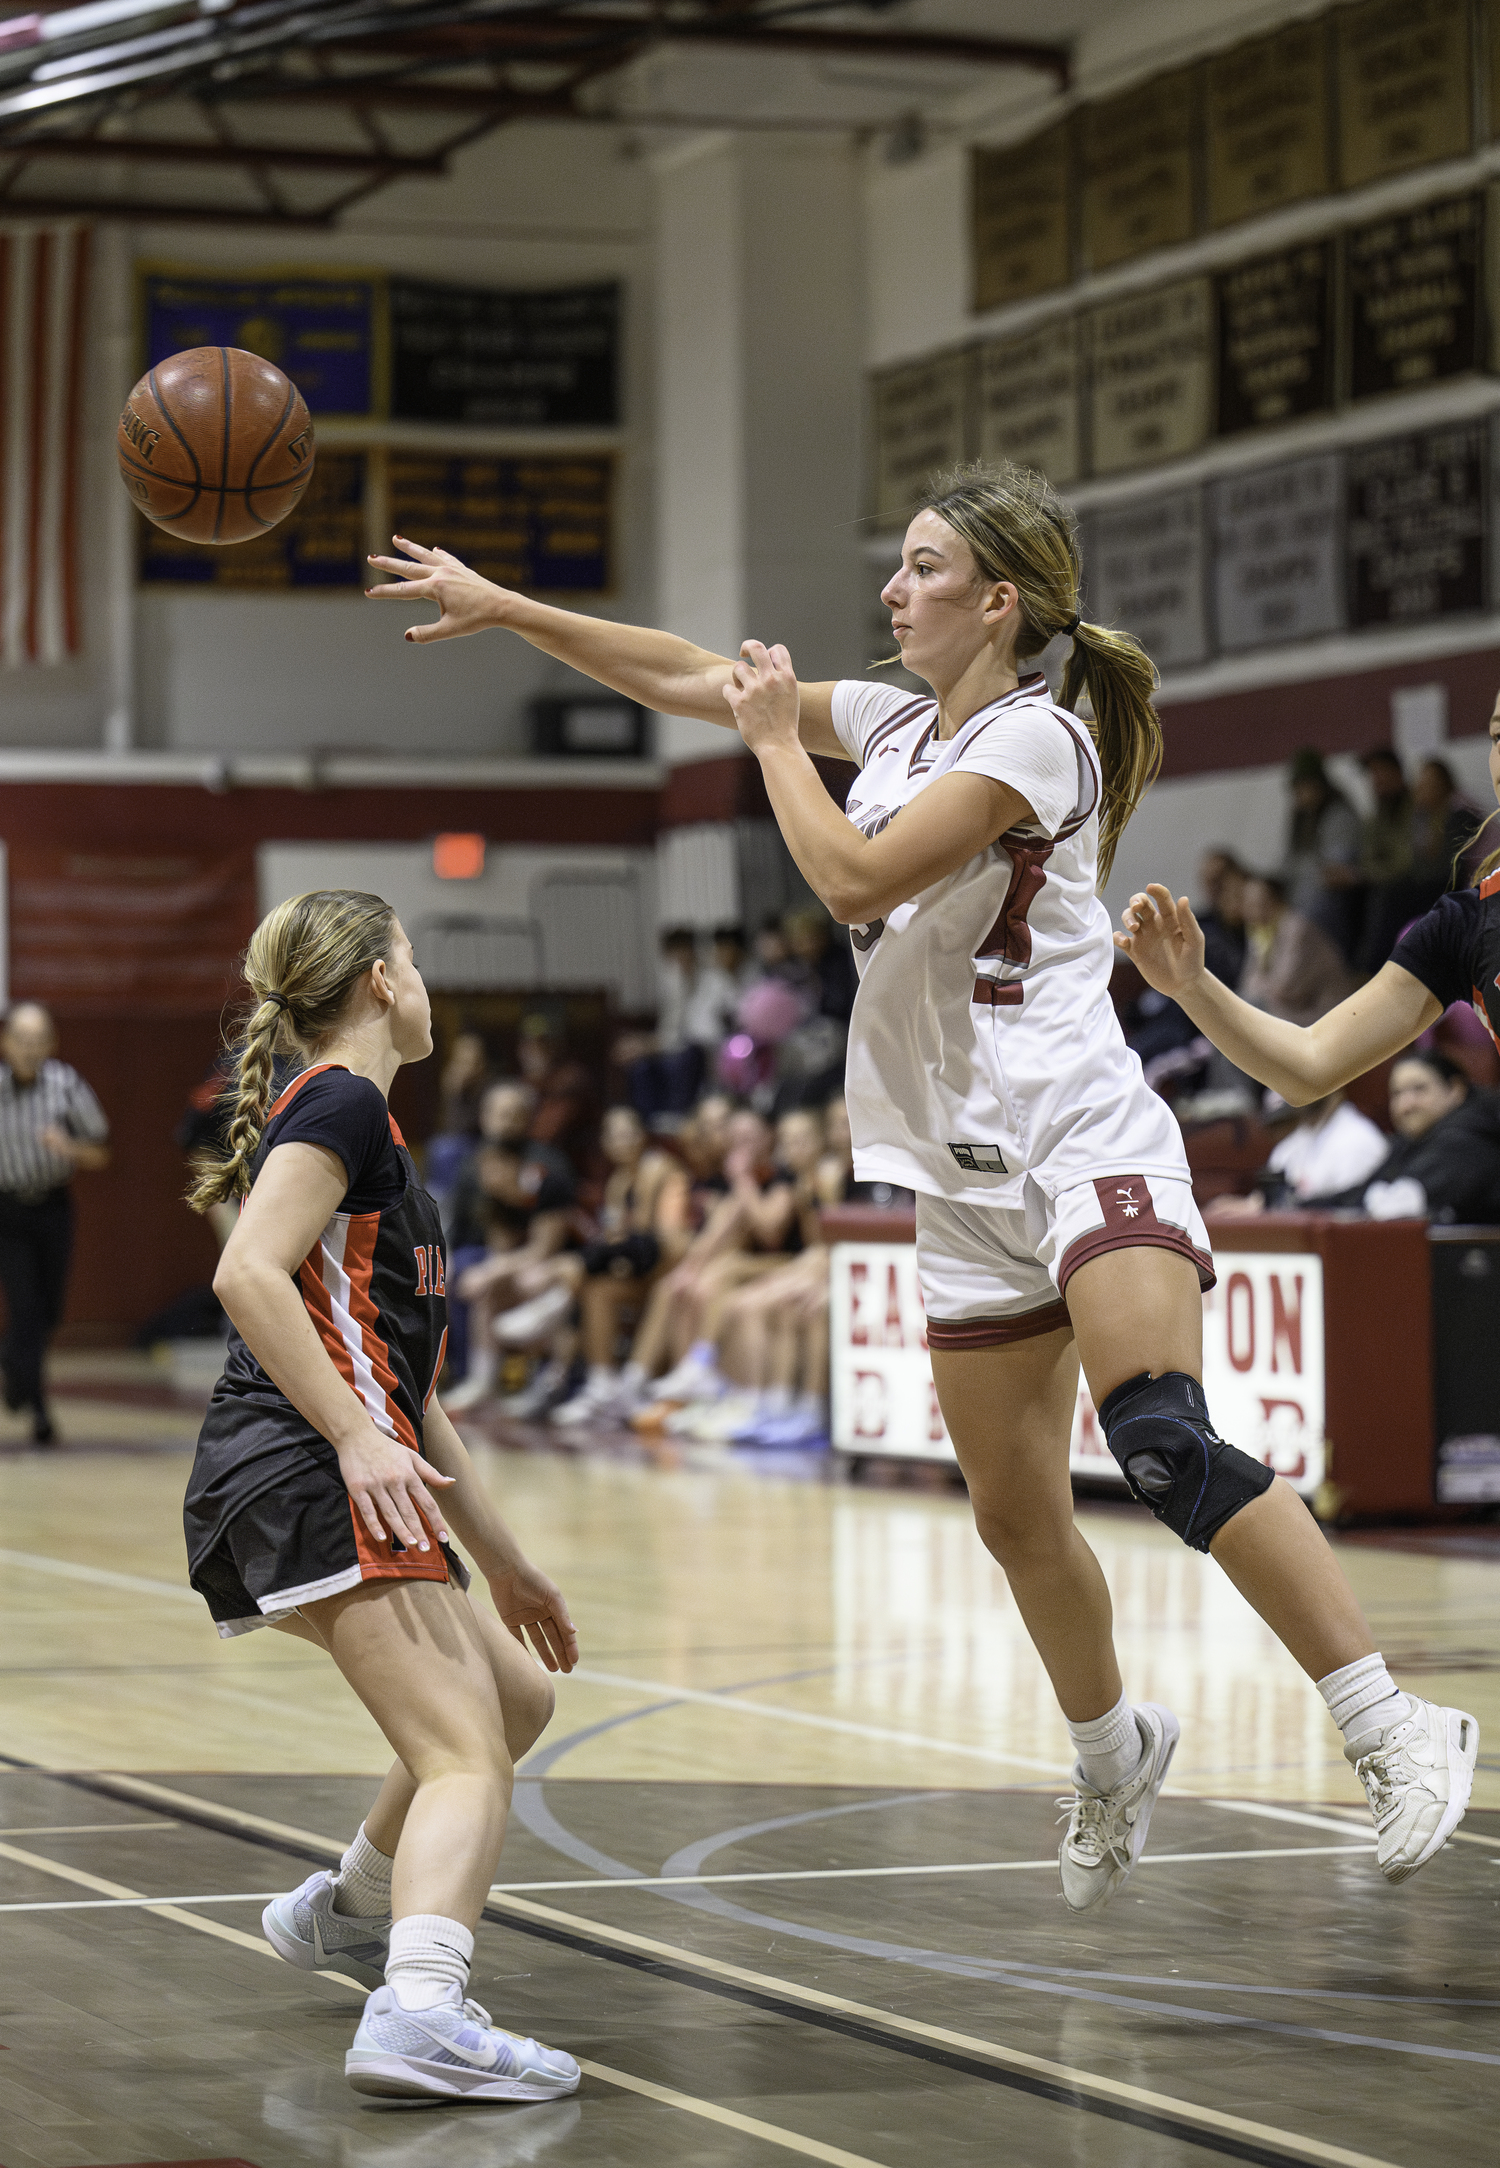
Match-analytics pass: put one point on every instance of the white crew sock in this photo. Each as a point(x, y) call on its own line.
point(1364, 1698)
point(362, 1886)
point(1109, 1747)
point(429, 1957)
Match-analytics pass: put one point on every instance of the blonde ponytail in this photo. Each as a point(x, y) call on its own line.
point(302, 964)
point(1019, 529)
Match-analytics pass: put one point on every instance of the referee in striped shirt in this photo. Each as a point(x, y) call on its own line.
point(50, 1125)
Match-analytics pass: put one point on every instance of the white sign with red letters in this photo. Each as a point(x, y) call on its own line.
point(1262, 1363)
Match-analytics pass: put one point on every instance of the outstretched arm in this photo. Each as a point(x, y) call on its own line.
point(656, 668)
point(1165, 943)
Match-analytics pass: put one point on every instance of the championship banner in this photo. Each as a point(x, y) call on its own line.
point(43, 290)
point(505, 360)
point(1267, 130)
point(1414, 297)
point(109, 933)
point(321, 543)
point(1146, 570)
point(1021, 218)
point(1276, 339)
point(1028, 397)
point(1404, 86)
point(539, 524)
point(1151, 383)
point(1278, 545)
point(326, 330)
point(1138, 182)
point(1417, 519)
point(921, 425)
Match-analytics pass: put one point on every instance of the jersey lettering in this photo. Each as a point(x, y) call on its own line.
point(431, 1278)
point(421, 1253)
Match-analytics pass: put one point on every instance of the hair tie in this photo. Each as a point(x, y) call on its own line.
point(1072, 626)
point(279, 999)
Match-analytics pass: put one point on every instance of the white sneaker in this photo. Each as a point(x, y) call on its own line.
point(595, 1401)
point(691, 1382)
point(535, 1400)
point(1417, 1777)
point(472, 1392)
point(303, 1928)
point(1107, 1830)
point(534, 1320)
point(448, 2052)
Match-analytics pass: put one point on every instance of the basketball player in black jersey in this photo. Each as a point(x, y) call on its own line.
point(313, 1501)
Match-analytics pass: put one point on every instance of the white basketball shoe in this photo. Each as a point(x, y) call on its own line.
point(450, 2052)
point(1417, 1777)
point(1106, 1832)
point(303, 1928)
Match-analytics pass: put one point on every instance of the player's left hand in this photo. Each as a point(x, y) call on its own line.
point(763, 696)
point(466, 601)
point(535, 1608)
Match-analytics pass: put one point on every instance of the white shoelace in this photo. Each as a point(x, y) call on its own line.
point(1093, 1827)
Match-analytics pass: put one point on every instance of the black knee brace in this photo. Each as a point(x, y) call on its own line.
point(1174, 1461)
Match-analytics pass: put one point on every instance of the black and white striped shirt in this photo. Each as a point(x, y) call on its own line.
point(57, 1098)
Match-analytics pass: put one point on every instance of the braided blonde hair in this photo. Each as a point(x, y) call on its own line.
point(302, 962)
point(1019, 529)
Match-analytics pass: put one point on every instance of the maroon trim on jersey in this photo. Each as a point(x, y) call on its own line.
point(1130, 1223)
point(893, 723)
point(998, 993)
point(1010, 936)
point(915, 761)
point(954, 1335)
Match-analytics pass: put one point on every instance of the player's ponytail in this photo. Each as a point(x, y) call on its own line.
point(1019, 529)
point(302, 963)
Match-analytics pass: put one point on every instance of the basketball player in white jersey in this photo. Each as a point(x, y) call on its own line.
point(986, 1071)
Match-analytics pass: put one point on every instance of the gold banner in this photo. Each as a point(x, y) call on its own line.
point(1151, 379)
point(1268, 134)
point(921, 424)
point(1405, 88)
point(1028, 394)
point(1020, 202)
point(1137, 156)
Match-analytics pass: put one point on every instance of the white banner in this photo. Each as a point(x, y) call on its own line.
point(1262, 1363)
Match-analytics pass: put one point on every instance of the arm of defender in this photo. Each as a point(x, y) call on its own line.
point(1165, 943)
point(658, 669)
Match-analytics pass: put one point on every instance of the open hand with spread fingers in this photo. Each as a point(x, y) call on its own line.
point(466, 602)
point(1162, 939)
point(763, 696)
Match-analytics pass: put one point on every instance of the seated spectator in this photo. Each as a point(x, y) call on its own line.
point(821, 961)
point(1386, 860)
point(507, 1213)
point(1171, 1051)
point(1445, 1162)
point(1443, 826)
point(466, 1073)
point(643, 1230)
point(566, 1102)
point(1221, 883)
point(757, 1222)
point(1322, 857)
point(1332, 1146)
point(1292, 968)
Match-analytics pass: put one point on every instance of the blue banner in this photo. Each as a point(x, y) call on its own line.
point(326, 331)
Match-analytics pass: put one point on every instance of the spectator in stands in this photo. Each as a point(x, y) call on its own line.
point(1322, 856)
point(507, 1214)
point(1445, 1162)
point(1221, 883)
point(665, 1069)
point(1331, 1147)
point(820, 963)
point(566, 1101)
point(1443, 825)
point(51, 1127)
point(1293, 968)
point(644, 1228)
point(466, 1074)
point(1386, 851)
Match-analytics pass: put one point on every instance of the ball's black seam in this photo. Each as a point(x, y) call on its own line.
point(281, 421)
point(171, 421)
point(228, 412)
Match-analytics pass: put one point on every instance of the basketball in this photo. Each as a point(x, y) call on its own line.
point(215, 444)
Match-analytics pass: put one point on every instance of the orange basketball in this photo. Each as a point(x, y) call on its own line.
point(215, 444)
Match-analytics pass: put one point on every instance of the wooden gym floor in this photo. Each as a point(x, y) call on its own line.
point(781, 1874)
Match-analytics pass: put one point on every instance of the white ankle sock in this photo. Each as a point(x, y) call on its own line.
point(1363, 1697)
point(429, 1956)
point(362, 1886)
point(1108, 1747)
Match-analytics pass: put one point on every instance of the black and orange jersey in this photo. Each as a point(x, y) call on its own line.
point(1454, 949)
point(374, 1285)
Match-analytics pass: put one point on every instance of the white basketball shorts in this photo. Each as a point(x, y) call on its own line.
point(995, 1273)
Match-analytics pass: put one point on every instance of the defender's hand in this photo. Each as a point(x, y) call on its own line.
point(532, 1605)
point(466, 602)
point(763, 696)
point(1162, 939)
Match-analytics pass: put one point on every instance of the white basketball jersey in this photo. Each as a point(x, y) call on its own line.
point(983, 1045)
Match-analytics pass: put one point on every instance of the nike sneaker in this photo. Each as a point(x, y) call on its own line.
point(1107, 1830)
point(303, 1928)
point(1417, 1777)
point(450, 2052)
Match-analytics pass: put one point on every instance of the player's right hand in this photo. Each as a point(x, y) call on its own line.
point(388, 1484)
point(466, 602)
point(1162, 939)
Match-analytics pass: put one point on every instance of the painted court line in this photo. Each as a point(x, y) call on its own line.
point(1106, 2091)
point(694, 1881)
point(1111, 2090)
point(789, 2141)
point(81, 1829)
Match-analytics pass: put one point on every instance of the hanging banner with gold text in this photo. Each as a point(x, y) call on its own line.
point(1276, 339)
point(1414, 297)
point(1267, 123)
point(1403, 86)
point(920, 425)
point(1028, 400)
point(1151, 378)
point(1138, 183)
point(1020, 206)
